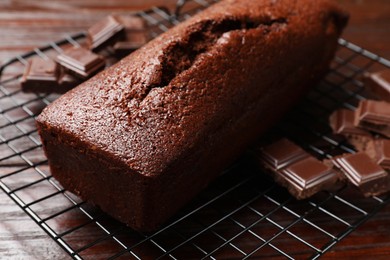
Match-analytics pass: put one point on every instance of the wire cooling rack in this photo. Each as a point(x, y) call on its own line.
point(241, 215)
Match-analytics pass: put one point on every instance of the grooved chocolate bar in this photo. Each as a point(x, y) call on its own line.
point(342, 121)
point(81, 62)
point(374, 116)
point(379, 84)
point(106, 30)
point(364, 173)
point(296, 170)
point(135, 35)
point(379, 150)
point(40, 76)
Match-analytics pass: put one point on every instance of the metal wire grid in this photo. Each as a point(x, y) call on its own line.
point(241, 215)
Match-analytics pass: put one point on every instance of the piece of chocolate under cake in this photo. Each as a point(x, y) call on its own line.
point(374, 116)
point(146, 135)
point(40, 76)
point(364, 173)
point(296, 170)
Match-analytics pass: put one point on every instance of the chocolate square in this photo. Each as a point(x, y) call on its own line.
point(281, 154)
point(308, 176)
point(104, 33)
point(40, 76)
point(364, 173)
point(379, 84)
point(374, 116)
point(81, 62)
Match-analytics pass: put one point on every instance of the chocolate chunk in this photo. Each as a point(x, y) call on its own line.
point(67, 81)
point(136, 35)
point(281, 154)
point(374, 116)
point(379, 84)
point(132, 43)
point(40, 76)
point(379, 150)
point(306, 177)
point(81, 62)
point(364, 173)
point(342, 122)
point(296, 170)
point(131, 23)
point(104, 33)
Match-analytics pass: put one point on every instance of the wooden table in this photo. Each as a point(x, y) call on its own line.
point(27, 24)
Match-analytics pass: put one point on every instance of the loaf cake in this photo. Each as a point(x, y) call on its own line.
point(143, 137)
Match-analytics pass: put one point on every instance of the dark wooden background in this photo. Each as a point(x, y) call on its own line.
point(26, 24)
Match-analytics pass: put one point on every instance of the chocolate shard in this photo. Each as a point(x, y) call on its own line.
point(374, 116)
point(281, 154)
point(306, 177)
point(81, 62)
point(342, 121)
point(135, 35)
point(131, 23)
point(104, 33)
point(364, 173)
point(67, 81)
point(40, 76)
point(293, 168)
point(379, 84)
point(379, 150)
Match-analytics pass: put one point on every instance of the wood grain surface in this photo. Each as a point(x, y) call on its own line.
point(26, 24)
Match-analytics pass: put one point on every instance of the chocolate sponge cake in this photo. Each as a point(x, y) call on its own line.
point(143, 137)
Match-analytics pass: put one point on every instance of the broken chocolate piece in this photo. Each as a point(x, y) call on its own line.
point(379, 84)
point(299, 172)
point(136, 35)
point(132, 43)
point(81, 62)
point(281, 153)
point(374, 116)
point(342, 122)
point(306, 177)
point(40, 76)
point(379, 150)
point(104, 33)
point(67, 81)
point(364, 173)
point(131, 23)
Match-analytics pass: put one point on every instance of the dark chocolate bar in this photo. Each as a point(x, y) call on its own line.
point(67, 81)
point(306, 177)
point(342, 121)
point(379, 150)
point(40, 76)
point(136, 35)
point(364, 173)
point(81, 62)
point(379, 84)
point(131, 23)
point(104, 33)
point(293, 168)
point(374, 116)
point(281, 153)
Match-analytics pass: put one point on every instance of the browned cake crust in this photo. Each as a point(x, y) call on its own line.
point(143, 137)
